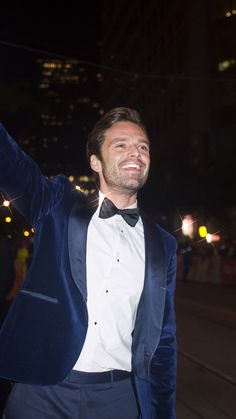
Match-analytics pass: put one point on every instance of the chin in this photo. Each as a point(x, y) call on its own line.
point(133, 186)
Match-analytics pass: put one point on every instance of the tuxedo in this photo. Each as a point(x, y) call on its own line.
point(44, 332)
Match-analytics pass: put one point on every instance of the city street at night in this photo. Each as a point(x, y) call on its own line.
point(206, 320)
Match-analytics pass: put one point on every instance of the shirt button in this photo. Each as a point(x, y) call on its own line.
point(118, 260)
point(106, 291)
point(95, 323)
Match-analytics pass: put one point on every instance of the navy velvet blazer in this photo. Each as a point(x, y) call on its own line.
point(45, 329)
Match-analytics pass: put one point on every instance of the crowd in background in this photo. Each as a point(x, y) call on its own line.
point(15, 258)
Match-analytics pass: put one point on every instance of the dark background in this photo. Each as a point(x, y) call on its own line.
point(162, 58)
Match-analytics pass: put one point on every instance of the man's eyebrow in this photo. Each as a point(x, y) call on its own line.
point(125, 137)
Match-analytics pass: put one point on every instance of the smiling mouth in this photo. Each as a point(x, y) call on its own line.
point(132, 166)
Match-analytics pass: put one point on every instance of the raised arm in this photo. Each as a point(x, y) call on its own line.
point(21, 180)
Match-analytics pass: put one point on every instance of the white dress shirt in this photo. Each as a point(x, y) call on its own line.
point(115, 276)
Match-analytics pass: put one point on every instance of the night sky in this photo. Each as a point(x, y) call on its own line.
point(73, 36)
point(24, 39)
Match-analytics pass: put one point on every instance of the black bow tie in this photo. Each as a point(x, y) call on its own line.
point(108, 209)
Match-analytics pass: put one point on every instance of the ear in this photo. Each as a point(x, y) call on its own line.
point(95, 163)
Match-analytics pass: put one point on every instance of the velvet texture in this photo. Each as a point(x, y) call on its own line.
point(44, 332)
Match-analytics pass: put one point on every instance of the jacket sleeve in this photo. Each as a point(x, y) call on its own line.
point(163, 366)
point(21, 180)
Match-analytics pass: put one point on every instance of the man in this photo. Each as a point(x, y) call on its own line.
point(92, 332)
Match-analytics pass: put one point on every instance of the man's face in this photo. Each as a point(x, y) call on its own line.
point(125, 159)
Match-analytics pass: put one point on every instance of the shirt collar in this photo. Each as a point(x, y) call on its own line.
point(101, 197)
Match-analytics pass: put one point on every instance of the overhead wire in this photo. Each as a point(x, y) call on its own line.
point(136, 74)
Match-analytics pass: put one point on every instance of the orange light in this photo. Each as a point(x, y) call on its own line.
point(215, 237)
point(210, 238)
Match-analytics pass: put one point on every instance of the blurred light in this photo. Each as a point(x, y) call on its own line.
point(84, 179)
point(202, 231)
point(8, 220)
point(187, 225)
point(215, 237)
point(32, 230)
point(71, 178)
point(6, 203)
point(228, 14)
point(44, 86)
point(26, 233)
point(78, 187)
point(209, 238)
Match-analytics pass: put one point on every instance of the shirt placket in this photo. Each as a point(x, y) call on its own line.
point(106, 286)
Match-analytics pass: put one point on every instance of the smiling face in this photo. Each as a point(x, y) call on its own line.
point(125, 159)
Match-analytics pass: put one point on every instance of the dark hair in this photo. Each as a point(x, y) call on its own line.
point(96, 136)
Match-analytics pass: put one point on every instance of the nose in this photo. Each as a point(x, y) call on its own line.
point(133, 150)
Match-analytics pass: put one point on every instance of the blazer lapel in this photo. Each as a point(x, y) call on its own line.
point(152, 302)
point(79, 219)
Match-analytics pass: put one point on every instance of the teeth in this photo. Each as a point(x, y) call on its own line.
point(133, 166)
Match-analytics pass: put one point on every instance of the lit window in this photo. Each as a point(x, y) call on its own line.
point(230, 13)
point(225, 65)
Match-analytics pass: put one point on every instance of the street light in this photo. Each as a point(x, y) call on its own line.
point(202, 231)
point(8, 219)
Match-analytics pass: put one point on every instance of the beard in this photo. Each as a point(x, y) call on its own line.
point(125, 183)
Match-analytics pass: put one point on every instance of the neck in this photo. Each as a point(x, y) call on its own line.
point(120, 200)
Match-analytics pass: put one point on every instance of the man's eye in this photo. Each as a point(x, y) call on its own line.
point(120, 145)
point(145, 148)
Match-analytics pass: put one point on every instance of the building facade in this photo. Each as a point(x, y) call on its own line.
point(175, 62)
